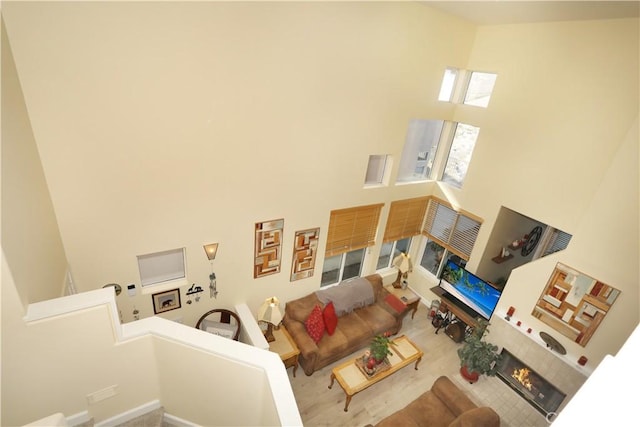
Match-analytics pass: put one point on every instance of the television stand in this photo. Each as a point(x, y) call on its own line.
point(452, 307)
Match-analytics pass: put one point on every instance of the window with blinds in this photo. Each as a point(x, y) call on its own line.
point(405, 219)
point(453, 230)
point(352, 228)
point(558, 241)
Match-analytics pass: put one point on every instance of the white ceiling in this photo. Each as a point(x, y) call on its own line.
point(514, 11)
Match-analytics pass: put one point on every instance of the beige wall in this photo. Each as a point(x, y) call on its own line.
point(30, 235)
point(189, 124)
point(179, 132)
point(559, 144)
point(53, 363)
point(51, 366)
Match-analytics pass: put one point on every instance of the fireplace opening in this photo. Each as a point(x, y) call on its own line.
point(534, 388)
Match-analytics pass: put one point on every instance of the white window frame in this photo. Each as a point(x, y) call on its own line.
point(394, 252)
point(343, 258)
point(449, 84)
point(378, 170)
point(469, 77)
point(409, 157)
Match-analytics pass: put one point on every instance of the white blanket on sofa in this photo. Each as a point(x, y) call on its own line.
point(348, 295)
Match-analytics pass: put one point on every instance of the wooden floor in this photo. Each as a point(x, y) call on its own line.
point(321, 406)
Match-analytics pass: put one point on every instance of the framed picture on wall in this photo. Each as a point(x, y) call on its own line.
point(166, 301)
point(268, 247)
point(305, 246)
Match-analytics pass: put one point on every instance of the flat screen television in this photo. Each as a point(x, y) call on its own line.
point(471, 291)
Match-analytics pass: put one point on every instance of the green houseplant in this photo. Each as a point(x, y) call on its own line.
point(380, 347)
point(477, 356)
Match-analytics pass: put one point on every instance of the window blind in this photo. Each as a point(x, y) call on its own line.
point(453, 230)
point(559, 241)
point(162, 266)
point(405, 219)
point(352, 228)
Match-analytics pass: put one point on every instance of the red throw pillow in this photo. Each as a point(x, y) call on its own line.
point(315, 324)
point(330, 318)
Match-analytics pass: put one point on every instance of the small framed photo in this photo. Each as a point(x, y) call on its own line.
point(166, 301)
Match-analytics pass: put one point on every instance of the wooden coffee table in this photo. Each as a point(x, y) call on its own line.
point(353, 380)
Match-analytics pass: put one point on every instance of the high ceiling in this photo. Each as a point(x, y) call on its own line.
point(514, 11)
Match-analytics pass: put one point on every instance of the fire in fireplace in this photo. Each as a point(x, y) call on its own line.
point(535, 389)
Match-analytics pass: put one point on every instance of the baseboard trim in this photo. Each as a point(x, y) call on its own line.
point(178, 422)
point(130, 414)
point(79, 418)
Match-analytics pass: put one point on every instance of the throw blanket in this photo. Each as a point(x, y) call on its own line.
point(348, 295)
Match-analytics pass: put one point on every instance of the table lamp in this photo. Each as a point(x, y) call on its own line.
point(404, 265)
point(269, 313)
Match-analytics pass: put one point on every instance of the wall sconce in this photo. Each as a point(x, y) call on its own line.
point(269, 313)
point(404, 265)
point(211, 250)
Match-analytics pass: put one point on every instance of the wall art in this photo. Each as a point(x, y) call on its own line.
point(268, 248)
point(305, 246)
point(574, 304)
point(166, 301)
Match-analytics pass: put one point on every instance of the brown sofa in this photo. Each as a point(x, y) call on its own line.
point(354, 331)
point(445, 405)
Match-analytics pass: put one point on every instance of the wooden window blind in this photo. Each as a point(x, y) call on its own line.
point(453, 230)
point(405, 219)
point(352, 228)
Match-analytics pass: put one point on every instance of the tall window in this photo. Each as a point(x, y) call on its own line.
point(464, 141)
point(390, 250)
point(479, 89)
point(350, 232)
point(437, 150)
point(448, 84)
point(451, 231)
point(419, 150)
point(404, 221)
point(435, 257)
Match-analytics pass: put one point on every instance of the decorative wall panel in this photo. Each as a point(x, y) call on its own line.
point(305, 246)
point(268, 247)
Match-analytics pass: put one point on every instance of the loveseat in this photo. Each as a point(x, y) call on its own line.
point(445, 405)
point(362, 310)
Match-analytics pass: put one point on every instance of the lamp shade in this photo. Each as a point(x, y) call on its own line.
point(403, 263)
point(211, 250)
point(270, 311)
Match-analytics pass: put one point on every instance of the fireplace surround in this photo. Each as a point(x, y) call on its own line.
point(531, 386)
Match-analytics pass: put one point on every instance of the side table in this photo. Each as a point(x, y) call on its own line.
point(286, 347)
point(407, 296)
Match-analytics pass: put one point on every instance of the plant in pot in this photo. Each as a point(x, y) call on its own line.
point(478, 357)
point(380, 347)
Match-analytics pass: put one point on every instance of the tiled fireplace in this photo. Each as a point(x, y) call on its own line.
point(515, 411)
point(533, 387)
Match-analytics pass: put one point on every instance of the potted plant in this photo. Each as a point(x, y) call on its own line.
point(478, 357)
point(380, 347)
